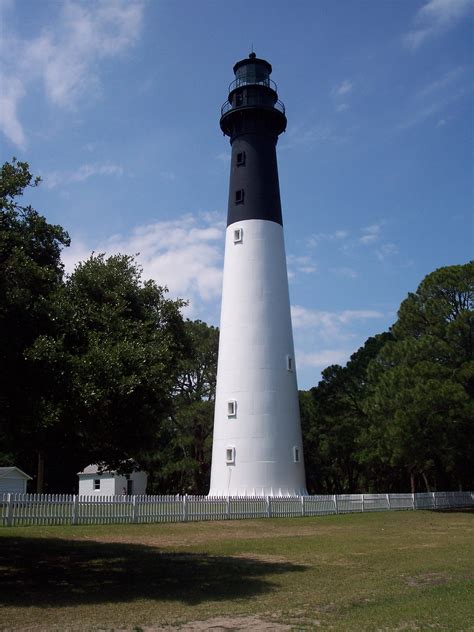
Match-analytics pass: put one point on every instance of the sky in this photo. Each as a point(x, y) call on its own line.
point(116, 105)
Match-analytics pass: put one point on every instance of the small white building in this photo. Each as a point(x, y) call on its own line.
point(93, 482)
point(13, 480)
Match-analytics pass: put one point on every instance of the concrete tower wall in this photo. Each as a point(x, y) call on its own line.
point(256, 370)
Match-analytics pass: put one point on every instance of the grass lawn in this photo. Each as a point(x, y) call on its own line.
point(373, 571)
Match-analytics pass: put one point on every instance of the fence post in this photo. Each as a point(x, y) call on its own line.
point(435, 506)
point(335, 504)
point(227, 508)
point(362, 503)
point(413, 501)
point(134, 509)
point(269, 507)
point(303, 513)
point(75, 509)
point(9, 510)
point(388, 502)
point(185, 508)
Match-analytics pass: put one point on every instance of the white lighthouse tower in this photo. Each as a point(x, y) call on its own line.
point(257, 445)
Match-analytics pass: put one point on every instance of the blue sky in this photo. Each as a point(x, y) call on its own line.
point(116, 105)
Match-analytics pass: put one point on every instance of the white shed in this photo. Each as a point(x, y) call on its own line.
point(13, 480)
point(92, 482)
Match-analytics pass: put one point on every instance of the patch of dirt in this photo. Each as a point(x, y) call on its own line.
point(220, 624)
point(427, 579)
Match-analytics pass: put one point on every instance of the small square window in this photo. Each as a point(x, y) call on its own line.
point(296, 454)
point(238, 233)
point(239, 196)
point(230, 456)
point(240, 159)
point(231, 408)
point(289, 363)
point(96, 483)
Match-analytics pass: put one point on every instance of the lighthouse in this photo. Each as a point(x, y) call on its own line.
point(257, 445)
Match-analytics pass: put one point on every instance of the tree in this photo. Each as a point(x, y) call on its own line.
point(422, 404)
point(334, 422)
point(184, 464)
point(113, 362)
point(30, 275)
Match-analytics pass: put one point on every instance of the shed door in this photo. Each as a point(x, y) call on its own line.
point(129, 486)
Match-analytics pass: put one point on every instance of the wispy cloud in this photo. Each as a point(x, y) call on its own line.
point(65, 57)
point(185, 254)
point(302, 264)
point(317, 238)
point(344, 271)
point(435, 97)
point(342, 89)
point(322, 359)
point(56, 179)
point(370, 234)
point(329, 324)
point(386, 250)
point(435, 18)
point(323, 338)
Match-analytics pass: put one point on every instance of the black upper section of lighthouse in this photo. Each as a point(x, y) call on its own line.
point(253, 118)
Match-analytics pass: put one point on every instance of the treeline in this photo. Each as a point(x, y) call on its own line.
point(99, 366)
point(400, 414)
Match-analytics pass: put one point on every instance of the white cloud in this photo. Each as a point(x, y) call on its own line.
point(323, 338)
point(337, 235)
point(185, 254)
point(371, 234)
point(322, 359)
point(329, 325)
point(435, 18)
point(11, 93)
point(440, 83)
point(65, 57)
point(435, 97)
point(343, 88)
point(84, 172)
point(300, 264)
point(386, 250)
point(346, 272)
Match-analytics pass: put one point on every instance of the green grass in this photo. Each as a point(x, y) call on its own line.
point(380, 571)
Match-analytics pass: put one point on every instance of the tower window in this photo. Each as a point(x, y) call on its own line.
point(240, 159)
point(230, 455)
point(239, 196)
point(296, 454)
point(238, 233)
point(239, 99)
point(289, 363)
point(96, 483)
point(231, 408)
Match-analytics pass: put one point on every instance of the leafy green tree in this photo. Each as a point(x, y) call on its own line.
point(114, 362)
point(31, 273)
point(334, 421)
point(422, 406)
point(184, 464)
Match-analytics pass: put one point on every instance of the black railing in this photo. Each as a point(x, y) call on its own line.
point(241, 81)
point(252, 102)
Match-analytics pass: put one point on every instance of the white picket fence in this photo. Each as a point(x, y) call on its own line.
point(62, 509)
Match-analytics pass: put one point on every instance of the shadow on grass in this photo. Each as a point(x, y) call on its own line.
point(56, 572)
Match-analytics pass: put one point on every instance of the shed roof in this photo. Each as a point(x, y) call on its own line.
point(13, 472)
point(94, 469)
